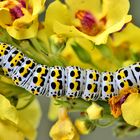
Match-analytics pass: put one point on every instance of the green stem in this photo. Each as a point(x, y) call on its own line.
point(36, 44)
point(106, 123)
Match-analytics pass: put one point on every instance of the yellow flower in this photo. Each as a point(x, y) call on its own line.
point(128, 37)
point(63, 129)
point(85, 55)
point(29, 119)
point(92, 19)
point(20, 18)
point(130, 109)
point(94, 111)
point(117, 101)
point(126, 41)
point(7, 111)
point(18, 124)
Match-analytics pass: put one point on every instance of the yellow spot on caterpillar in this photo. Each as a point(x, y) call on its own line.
point(92, 88)
point(15, 60)
point(39, 77)
point(3, 49)
point(26, 69)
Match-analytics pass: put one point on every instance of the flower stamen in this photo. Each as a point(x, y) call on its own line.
point(89, 23)
point(16, 12)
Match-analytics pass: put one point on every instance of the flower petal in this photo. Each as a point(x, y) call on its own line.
point(101, 38)
point(37, 5)
point(29, 119)
point(7, 111)
point(6, 17)
point(68, 132)
point(94, 6)
point(29, 30)
point(129, 34)
point(130, 109)
point(8, 131)
point(56, 12)
point(119, 8)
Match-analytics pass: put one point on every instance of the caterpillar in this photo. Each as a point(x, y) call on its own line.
point(71, 81)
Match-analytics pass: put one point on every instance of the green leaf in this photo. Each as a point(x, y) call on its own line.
point(108, 54)
point(82, 54)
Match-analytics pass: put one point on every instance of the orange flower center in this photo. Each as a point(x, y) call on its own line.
point(89, 24)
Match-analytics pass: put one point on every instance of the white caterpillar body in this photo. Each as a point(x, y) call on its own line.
point(72, 81)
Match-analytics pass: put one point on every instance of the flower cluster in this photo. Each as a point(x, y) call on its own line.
point(96, 34)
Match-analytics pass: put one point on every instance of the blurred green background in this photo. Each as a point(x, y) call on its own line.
point(98, 134)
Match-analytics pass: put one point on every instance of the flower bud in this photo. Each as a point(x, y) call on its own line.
point(63, 129)
point(57, 43)
point(84, 126)
point(94, 111)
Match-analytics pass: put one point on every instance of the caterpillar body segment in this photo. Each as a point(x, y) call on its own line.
point(23, 74)
point(135, 68)
point(56, 81)
point(4, 51)
point(72, 81)
point(108, 86)
point(92, 90)
point(39, 80)
point(125, 77)
point(12, 62)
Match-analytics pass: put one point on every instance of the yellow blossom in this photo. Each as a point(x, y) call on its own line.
point(7, 111)
point(20, 18)
point(92, 19)
point(29, 119)
point(18, 124)
point(126, 41)
point(117, 101)
point(63, 129)
point(94, 111)
point(129, 37)
point(130, 109)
